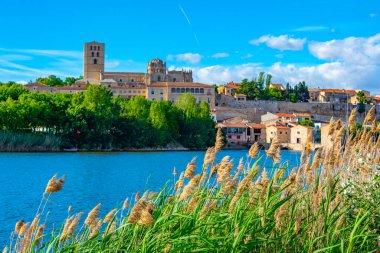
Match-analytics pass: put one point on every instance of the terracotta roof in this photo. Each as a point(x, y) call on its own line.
point(180, 84)
point(232, 85)
point(70, 88)
point(286, 115)
point(314, 90)
point(255, 125)
point(302, 114)
point(353, 92)
point(241, 95)
point(240, 125)
point(277, 85)
point(36, 84)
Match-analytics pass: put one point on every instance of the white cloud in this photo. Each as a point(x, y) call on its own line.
point(311, 28)
point(47, 53)
point(187, 57)
point(282, 42)
point(354, 50)
point(220, 55)
point(247, 56)
point(372, 15)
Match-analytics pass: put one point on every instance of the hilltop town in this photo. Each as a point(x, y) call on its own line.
point(243, 119)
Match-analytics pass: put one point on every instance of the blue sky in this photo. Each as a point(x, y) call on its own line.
point(331, 43)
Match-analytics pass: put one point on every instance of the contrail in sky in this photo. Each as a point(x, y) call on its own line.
point(189, 22)
point(184, 14)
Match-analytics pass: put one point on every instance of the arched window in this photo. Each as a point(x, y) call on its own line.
point(178, 90)
point(182, 90)
point(192, 90)
point(95, 61)
point(173, 90)
point(202, 90)
point(187, 90)
point(92, 54)
point(196, 90)
point(90, 47)
point(97, 54)
point(159, 78)
point(98, 47)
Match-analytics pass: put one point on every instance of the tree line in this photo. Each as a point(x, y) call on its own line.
point(97, 120)
point(259, 89)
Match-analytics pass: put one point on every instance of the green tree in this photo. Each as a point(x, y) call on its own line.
point(307, 122)
point(51, 80)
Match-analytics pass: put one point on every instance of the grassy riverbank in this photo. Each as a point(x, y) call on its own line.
point(330, 203)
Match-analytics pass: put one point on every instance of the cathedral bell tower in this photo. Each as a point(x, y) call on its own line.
point(93, 62)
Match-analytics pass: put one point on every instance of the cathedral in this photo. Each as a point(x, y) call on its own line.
point(94, 59)
point(156, 84)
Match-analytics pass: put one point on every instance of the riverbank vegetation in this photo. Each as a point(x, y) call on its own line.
point(96, 120)
point(330, 203)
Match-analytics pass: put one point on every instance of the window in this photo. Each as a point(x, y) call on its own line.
point(229, 136)
point(133, 80)
point(114, 91)
point(280, 132)
point(196, 90)
point(187, 90)
point(130, 91)
point(98, 47)
point(202, 90)
point(95, 61)
point(174, 79)
point(173, 90)
point(152, 92)
point(208, 100)
point(238, 137)
point(199, 99)
point(90, 47)
point(182, 90)
point(120, 91)
point(298, 132)
point(97, 54)
point(92, 54)
point(192, 90)
point(134, 91)
point(173, 100)
point(138, 92)
point(298, 140)
point(161, 91)
point(178, 90)
point(159, 78)
point(121, 80)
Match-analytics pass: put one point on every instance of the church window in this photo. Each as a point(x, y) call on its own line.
point(95, 61)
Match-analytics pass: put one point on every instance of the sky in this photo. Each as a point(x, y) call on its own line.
point(327, 43)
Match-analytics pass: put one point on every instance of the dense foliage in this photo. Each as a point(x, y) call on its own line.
point(259, 89)
point(96, 120)
point(55, 81)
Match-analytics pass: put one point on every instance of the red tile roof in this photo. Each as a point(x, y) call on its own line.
point(232, 85)
point(352, 92)
point(257, 126)
point(285, 115)
point(180, 84)
point(36, 84)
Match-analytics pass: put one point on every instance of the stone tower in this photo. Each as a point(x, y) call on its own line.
point(156, 71)
point(93, 62)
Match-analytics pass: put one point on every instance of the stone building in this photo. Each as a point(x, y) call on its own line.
point(156, 84)
point(279, 131)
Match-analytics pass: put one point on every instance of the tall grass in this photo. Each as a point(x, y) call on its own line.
point(28, 142)
point(330, 203)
